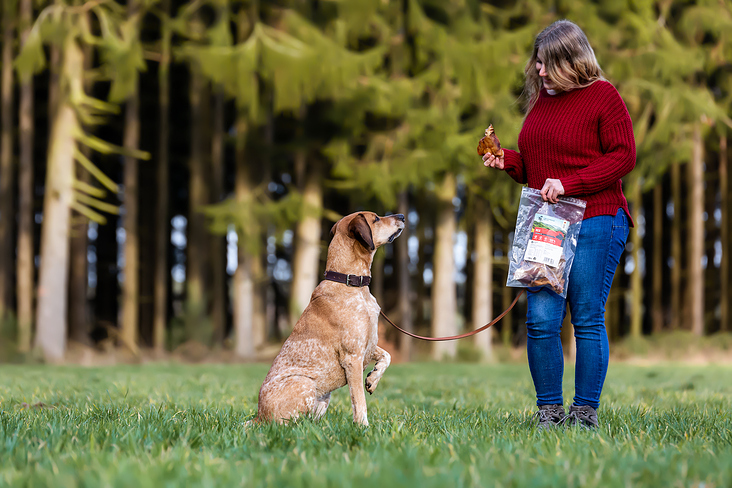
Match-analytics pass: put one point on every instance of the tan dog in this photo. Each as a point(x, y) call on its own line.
point(335, 338)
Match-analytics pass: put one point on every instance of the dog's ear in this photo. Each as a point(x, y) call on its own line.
point(359, 229)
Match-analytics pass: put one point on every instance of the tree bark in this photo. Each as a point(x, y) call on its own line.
point(506, 298)
point(725, 237)
point(676, 228)
point(483, 278)
point(243, 299)
point(696, 234)
point(636, 277)
point(444, 300)
point(79, 324)
point(78, 280)
point(306, 259)
point(53, 275)
point(26, 263)
point(162, 229)
point(218, 243)
point(196, 327)
point(404, 292)
point(131, 287)
point(6, 160)
point(657, 261)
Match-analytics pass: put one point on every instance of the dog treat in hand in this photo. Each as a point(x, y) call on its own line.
point(490, 143)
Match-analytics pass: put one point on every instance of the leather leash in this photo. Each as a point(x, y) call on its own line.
point(359, 281)
point(466, 334)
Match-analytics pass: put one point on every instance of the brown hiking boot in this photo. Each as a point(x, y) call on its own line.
point(584, 416)
point(549, 416)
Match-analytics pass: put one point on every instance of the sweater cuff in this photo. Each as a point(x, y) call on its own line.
point(513, 165)
point(572, 185)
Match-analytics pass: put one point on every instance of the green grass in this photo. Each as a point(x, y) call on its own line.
point(431, 425)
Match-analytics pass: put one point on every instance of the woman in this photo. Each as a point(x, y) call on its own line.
point(576, 140)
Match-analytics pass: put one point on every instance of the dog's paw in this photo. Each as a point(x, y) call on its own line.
point(372, 380)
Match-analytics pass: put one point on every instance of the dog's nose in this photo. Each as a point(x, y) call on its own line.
point(399, 217)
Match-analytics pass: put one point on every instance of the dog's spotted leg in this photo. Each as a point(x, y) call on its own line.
point(353, 367)
point(321, 405)
point(383, 359)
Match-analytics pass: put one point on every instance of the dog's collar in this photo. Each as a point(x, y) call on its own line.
point(347, 279)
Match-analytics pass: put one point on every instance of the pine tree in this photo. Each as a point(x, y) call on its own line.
point(162, 217)
point(26, 218)
point(7, 172)
point(74, 109)
point(129, 327)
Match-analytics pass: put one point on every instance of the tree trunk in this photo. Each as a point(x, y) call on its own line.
point(483, 278)
point(676, 228)
point(196, 324)
point(218, 243)
point(131, 287)
point(162, 229)
point(243, 299)
point(444, 300)
point(725, 237)
point(78, 281)
point(6, 160)
point(657, 260)
point(79, 324)
point(696, 234)
point(404, 294)
point(53, 275)
point(506, 299)
point(636, 277)
point(264, 315)
point(306, 258)
point(26, 218)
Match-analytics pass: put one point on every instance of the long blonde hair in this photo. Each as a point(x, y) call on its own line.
point(568, 58)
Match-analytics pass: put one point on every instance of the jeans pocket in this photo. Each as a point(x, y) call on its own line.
point(621, 220)
point(621, 228)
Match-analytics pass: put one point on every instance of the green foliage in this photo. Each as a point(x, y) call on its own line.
point(254, 215)
point(121, 59)
point(121, 56)
point(431, 425)
point(299, 62)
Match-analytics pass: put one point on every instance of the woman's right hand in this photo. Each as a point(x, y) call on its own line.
point(492, 161)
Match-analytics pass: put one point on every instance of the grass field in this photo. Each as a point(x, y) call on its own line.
point(441, 425)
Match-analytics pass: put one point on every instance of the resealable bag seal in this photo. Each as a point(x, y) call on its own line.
point(545, 241)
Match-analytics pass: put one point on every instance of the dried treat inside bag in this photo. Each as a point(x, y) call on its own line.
point(544, 241)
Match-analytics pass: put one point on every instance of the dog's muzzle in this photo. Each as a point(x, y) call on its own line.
point(395, 235)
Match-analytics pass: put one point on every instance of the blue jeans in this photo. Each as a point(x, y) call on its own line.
point(599, 246)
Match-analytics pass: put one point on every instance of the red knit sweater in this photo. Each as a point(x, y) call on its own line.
point(583, 137)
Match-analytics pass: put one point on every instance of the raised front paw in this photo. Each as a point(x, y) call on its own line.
point(372, 379)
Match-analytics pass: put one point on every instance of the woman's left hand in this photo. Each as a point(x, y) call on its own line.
point(551, 190)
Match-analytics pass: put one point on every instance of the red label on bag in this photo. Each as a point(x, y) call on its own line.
point(545, 245)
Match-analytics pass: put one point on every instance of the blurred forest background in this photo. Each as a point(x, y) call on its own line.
point(170, 170)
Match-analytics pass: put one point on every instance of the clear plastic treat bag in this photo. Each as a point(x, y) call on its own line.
point(545, 241)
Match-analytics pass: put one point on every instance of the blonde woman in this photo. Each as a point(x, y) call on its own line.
point(576, 140)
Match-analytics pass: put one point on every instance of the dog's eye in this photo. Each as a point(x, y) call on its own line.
point(376, 219)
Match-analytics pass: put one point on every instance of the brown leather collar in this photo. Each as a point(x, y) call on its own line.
point(347, 279)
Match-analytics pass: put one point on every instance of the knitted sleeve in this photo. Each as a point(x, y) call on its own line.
point(514, 165)
point(618, 146)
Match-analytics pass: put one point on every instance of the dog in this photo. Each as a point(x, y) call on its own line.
point(336, 336)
